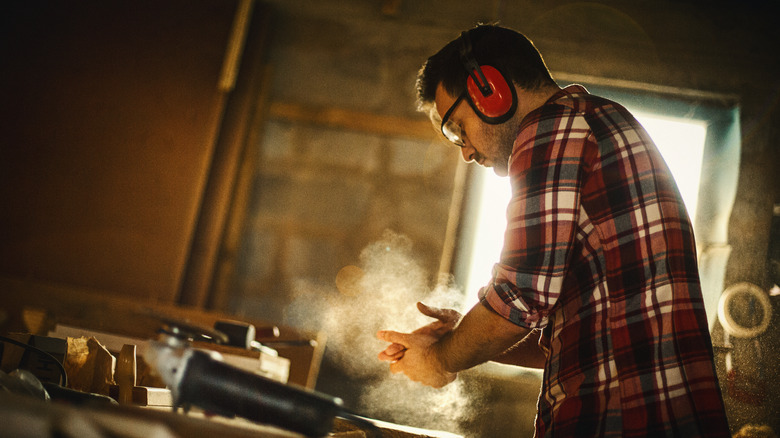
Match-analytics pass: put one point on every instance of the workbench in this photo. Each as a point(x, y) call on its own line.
point(24, 416)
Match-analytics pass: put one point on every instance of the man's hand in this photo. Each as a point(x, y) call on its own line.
point(434, 353)
point(412, 353)
point(418, 359)
point(446, 320)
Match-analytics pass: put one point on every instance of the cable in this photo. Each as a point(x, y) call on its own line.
point(63, 374)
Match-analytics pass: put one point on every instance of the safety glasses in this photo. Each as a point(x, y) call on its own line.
point(451, 130)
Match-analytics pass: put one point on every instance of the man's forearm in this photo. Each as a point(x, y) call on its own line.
point(525, 353)
point(482, 335)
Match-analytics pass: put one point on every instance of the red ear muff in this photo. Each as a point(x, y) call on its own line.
point(489, 94)
point(501, 99)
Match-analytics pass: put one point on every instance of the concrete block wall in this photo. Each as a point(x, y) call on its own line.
point(321, 194)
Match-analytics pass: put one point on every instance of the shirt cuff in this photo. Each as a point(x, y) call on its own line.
point(530, 318)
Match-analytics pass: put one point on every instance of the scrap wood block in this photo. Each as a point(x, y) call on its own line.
point(146, 396)
point(257, 362)
point(89, 365)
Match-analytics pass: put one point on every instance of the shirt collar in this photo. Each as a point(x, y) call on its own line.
point(566, 93)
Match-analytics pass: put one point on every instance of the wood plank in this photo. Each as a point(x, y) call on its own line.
point(226, 163)
point(392, 126)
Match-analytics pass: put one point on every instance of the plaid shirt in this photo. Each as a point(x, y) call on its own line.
point(599, 253)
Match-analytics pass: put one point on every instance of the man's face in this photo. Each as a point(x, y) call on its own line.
point(488, 145)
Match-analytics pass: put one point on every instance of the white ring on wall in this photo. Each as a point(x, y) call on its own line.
point(726, 319)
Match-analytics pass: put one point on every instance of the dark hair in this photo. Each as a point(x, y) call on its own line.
point(509, 51)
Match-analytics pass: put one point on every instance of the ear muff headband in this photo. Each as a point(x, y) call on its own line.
point(488, 91)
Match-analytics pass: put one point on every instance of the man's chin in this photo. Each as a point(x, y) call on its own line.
point(500, 171)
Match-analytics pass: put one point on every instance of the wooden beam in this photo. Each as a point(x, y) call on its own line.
point(571, 78)
point(393, 126)
point(226, 161)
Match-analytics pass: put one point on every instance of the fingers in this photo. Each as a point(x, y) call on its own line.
point(393, 337)
point(392, 353)
point(398, 344)
point(427, 310)
point(394, 349)
point(409, 353)
point(391, 358)
point(443, 315)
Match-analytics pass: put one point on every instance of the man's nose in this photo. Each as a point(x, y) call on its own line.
point(468, 153)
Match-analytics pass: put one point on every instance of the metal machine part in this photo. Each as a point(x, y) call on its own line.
point(220, 388)
point(23, 382)
point(201, 379)
point(169, 357)
point(240, 334)
point(188, 331)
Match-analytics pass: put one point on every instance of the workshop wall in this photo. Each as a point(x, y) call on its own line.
point(325, 188)
point(323, 192)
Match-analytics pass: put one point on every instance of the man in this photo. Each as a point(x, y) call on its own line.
point(597, 282)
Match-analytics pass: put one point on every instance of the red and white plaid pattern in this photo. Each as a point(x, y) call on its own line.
point(599, 253)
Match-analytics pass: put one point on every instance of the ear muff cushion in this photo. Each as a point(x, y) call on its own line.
point(499, 102)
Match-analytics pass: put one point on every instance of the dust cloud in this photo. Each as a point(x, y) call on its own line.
point(381, 293)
